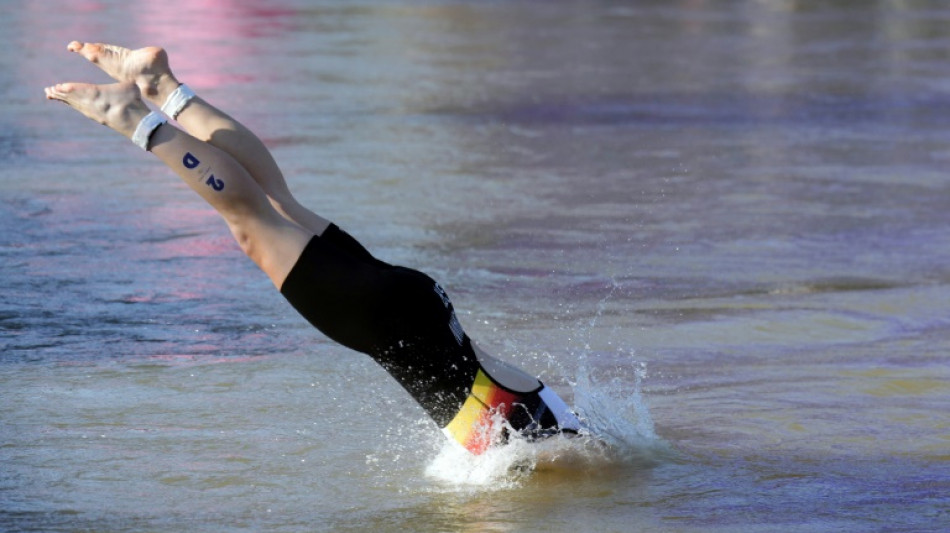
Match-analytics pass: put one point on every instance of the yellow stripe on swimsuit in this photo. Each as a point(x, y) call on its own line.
point(474, 427)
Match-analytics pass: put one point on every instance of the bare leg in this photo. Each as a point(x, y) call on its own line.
point(148, 68)
point(270, 240)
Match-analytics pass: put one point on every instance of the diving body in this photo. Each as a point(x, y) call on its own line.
point(398, 316)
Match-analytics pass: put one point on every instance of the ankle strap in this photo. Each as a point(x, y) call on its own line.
point(177, 100)
point(147, 126)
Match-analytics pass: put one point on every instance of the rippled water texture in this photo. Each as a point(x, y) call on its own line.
point(719, 229)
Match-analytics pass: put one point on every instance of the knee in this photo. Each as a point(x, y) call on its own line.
point(284, 203)
point(247, 227)
point(245, 238)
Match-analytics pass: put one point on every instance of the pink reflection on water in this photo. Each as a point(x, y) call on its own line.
point(84, 7)
point(188, 360)
point(209, 40)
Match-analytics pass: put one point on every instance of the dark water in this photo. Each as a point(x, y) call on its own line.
point(721, 228)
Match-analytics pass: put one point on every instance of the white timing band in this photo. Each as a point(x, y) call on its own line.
point(143, 132)
point(177, 100)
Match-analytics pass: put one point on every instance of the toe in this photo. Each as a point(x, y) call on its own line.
point(90, 51)
point(62, 89)
point(54, 93)
point(74, 46)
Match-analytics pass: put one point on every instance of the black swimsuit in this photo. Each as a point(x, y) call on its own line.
point(405, 321)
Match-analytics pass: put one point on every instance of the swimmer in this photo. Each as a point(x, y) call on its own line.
point(398, 316)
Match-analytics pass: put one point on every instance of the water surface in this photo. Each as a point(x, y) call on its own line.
point(718, 229)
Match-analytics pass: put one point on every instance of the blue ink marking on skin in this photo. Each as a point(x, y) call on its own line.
point(189, 160)
point(215, 183)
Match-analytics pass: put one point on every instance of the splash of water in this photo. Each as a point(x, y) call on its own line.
point(499, 467)
point(619, 432)
point(615, 410)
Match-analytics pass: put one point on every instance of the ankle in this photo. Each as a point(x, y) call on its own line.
point(158, 92)
point(130, 119)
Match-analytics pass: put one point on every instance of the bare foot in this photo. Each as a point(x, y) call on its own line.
point(118, 105)
point(146, 67)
